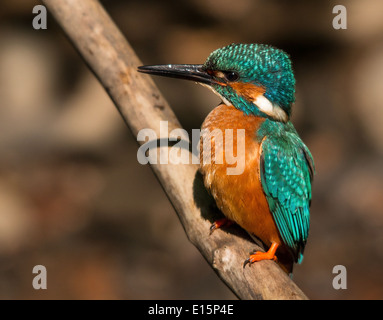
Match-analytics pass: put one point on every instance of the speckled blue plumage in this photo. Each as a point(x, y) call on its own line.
point(260, 64)
point(287, 169)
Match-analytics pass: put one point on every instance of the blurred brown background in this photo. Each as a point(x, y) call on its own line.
point(74, 198)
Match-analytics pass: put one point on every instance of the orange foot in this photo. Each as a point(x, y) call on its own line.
point(259, 256)
point(220, 223)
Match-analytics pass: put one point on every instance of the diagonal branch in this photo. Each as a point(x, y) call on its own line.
point(141, 105)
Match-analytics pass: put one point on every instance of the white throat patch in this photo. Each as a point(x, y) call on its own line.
point(225, 101)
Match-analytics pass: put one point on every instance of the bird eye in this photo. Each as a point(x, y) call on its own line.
point(231, 76)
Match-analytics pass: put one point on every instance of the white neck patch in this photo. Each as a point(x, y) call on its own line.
point(272, 110)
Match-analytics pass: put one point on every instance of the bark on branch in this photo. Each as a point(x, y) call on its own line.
point(113, 61)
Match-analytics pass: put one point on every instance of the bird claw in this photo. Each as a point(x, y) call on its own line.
point(212, 228)
point(259, 256)
point(247, 262)
point(219, 224)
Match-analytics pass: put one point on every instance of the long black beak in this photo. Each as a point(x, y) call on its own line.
point(192, 72)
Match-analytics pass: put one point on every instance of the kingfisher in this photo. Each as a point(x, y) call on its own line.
point(271, 198)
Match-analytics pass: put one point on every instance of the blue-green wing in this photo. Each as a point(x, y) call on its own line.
point(287, 170)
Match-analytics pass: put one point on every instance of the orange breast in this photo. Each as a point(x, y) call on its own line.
point(239, 196)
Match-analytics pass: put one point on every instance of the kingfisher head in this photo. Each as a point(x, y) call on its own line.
point(255, 78)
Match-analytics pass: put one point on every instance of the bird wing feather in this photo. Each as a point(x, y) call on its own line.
point(287, 170)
